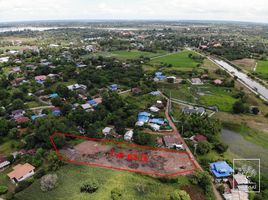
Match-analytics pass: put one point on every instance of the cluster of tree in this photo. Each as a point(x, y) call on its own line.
point(209, 127)
point(89, 187)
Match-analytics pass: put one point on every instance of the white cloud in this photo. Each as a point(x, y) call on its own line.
point(244, 10)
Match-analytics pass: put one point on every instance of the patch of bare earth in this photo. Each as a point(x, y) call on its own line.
point(246, 63)
point(158, 162)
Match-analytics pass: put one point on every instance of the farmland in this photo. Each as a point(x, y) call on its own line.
point(262, 69)
point(179, 60)
point(135, 54)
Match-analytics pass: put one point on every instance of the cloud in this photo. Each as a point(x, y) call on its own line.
point(244, 10)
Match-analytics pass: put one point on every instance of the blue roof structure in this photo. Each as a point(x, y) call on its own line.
point(155, 93)
point(158, 73)
point(92, 103)
point(54, 95)
point(113, 87)
point(143, 116)
point(160, 76)
point(56, 113)
point(40, 82)
point(34, 117)
point(159, 121)
point(221, 169)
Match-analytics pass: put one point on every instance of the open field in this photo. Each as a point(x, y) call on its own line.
point(71, 178)
point(177, 60)
point(206, 95)
point(262, 69)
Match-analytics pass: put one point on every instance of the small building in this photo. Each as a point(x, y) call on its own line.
point(56, 112)
point(154, 109)
point(159, 76)
point(171, 142)
point(217, 82)
point(155, 93)
point(221, 169)
point(53, 95)
point(93, 103)
point(107, 131)
point(155, 127)
point(199, 138)
point(17, 113)
point(144, 117)
point(128, 135)
point(3, 162)
point(198, 110)
point(86, 106)
point(196, 81)
point(40, 78)
point(21, 172)
point(159, 121)
point(113, 87)
point(159, 104)
point(171, 79)
point(34, 117)
point(21, 120)
point(77, 87)
point(136, 90)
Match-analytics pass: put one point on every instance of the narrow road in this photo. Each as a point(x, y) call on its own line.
point(178, 135)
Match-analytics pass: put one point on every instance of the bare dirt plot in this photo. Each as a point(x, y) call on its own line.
point(246, 63)
point(157, 162)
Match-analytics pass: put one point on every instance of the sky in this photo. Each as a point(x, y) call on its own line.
point(231, 10)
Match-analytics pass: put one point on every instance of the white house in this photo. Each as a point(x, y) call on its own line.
point(21, 172)
point(128, 135)
point(154, 109)
point(107, 131)
point(155, 127)
point(3, 162)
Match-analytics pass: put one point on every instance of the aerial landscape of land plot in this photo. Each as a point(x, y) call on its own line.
point(123, 109)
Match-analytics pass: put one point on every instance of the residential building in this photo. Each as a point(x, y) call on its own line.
point(128, 135)
point(171, 142)
point(3, 162)
point(107, 131)
point(221, 169)
point(21, 172)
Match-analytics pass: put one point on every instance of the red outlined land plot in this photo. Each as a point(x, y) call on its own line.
point(125, 156)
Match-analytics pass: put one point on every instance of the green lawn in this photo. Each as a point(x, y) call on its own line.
point(71, 177)
point(262, 66)
point(177, 60)
point(211, 95)
point(218, 96)
point(135, 54)
point(8, 146)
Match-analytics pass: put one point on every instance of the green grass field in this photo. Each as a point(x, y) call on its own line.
point(71, 177)
point(217, 96)
point(212, 95)
point(177, 60)
point(262, 66)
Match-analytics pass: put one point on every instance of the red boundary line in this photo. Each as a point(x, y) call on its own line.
point(116, 168)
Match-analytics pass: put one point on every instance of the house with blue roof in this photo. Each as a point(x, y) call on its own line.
point(34, 117)
point(144, 117)
point(221, 169)
point(56, 112)
point(159, 121)
point(160, 76)
point(93, 103)
point(113, 87)
point(155, 93)
point(53, 95)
